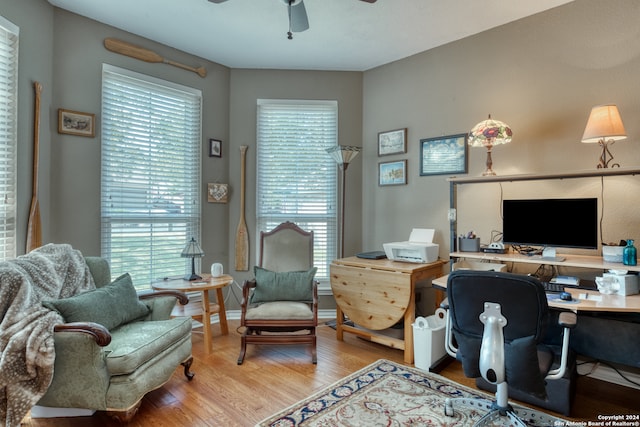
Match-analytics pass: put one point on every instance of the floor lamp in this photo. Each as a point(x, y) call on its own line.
point(343, 154)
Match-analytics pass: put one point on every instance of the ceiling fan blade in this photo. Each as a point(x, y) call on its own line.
point(217, 1)
point(299, 19)
point(368, 1)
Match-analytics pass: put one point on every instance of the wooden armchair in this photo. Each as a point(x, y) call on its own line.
point(283, 296)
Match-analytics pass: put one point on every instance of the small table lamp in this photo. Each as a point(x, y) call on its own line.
point(604, 127)
point(488, 133)
point(343, 154)
point(192, 250)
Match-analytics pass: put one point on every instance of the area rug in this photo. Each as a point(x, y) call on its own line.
point(389, 394)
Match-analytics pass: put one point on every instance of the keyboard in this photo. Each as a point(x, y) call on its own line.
point(553, 287)
point(549, 258)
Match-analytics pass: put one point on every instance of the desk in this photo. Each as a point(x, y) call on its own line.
point(579, 261)
point(607, 303)
point(201, 312)
point(377, 294)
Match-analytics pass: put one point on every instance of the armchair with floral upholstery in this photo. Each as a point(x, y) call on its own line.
point(115, 347)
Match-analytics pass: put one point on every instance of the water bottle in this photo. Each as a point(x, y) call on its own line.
point(630, 254)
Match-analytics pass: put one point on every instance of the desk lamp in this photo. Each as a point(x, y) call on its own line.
point(488, 133)
point(192, 250)
point(604, 127)
point(343, 154)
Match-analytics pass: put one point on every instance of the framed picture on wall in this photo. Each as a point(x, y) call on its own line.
point(392, 142)
point(217, 193)
point(215, 148)
point(443, 155)
point(392, 173)
point(76, 123)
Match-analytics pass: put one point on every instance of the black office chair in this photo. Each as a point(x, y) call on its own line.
point(499, 321)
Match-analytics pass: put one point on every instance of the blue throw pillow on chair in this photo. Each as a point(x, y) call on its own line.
point(284, 286)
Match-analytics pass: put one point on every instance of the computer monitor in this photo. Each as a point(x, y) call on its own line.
point(569, 223)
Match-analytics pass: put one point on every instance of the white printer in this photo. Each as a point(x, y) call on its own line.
point(419, 248)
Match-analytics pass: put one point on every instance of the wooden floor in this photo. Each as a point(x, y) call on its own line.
point(274, 377)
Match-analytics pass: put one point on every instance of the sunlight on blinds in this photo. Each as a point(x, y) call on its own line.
point(297, 179)
point(150, 204)
point(8, 136)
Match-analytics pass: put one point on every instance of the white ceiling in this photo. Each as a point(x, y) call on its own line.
point(346, 35)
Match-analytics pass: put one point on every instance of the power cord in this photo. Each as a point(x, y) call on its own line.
point(546, 272)
point(596, 363)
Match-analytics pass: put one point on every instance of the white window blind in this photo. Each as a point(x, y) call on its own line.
point(296, 177)
point(150, 204)
point(8, 136)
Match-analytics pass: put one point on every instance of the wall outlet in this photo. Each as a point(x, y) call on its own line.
point(452, 214)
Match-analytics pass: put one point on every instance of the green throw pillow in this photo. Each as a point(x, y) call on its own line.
point(287, 286)
point(111, 305)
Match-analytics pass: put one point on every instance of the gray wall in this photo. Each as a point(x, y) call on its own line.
point(247, 86)
point(541, 75)
point(36, 53)
point(75, 171)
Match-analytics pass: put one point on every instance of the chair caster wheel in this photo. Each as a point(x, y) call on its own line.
point(448, 408)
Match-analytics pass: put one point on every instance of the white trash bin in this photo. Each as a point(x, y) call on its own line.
point(428, 339)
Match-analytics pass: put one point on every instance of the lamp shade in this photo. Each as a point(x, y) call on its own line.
point(490, 132)
point(604, 123)
point(343, 154)
point(192, 250)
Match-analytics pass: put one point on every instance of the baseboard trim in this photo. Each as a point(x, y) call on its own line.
point(606, 373)
point(324, 314)
point(50, 412)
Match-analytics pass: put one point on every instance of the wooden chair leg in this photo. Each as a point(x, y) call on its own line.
point(123, 417)
point(314, 352)
point(243, 349)
point(187, 368)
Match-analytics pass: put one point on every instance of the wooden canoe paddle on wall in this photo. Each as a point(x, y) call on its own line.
point(137, 52)
point(242, 235)
point(34, 226)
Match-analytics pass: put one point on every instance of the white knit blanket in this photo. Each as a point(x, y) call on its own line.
point(26, 328)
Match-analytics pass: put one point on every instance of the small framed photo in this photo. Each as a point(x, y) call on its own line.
point(444, 155)
point(217, 193)
point(76, 123)
point(215, 148)
point(392, 142)
point(392, 173)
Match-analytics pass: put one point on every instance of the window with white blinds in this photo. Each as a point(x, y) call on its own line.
point(297, 179)
point(150, 204)
point(8, 136)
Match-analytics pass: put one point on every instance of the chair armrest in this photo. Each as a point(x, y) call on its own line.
point(99, 333)
point(81, 378)
point(182, 298)
point(568, 319)
point(246, 290)
point(315, 299)
point(162, 303)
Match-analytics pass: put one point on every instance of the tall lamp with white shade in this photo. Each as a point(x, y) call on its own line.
point(604, 127)
point(343, 154)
